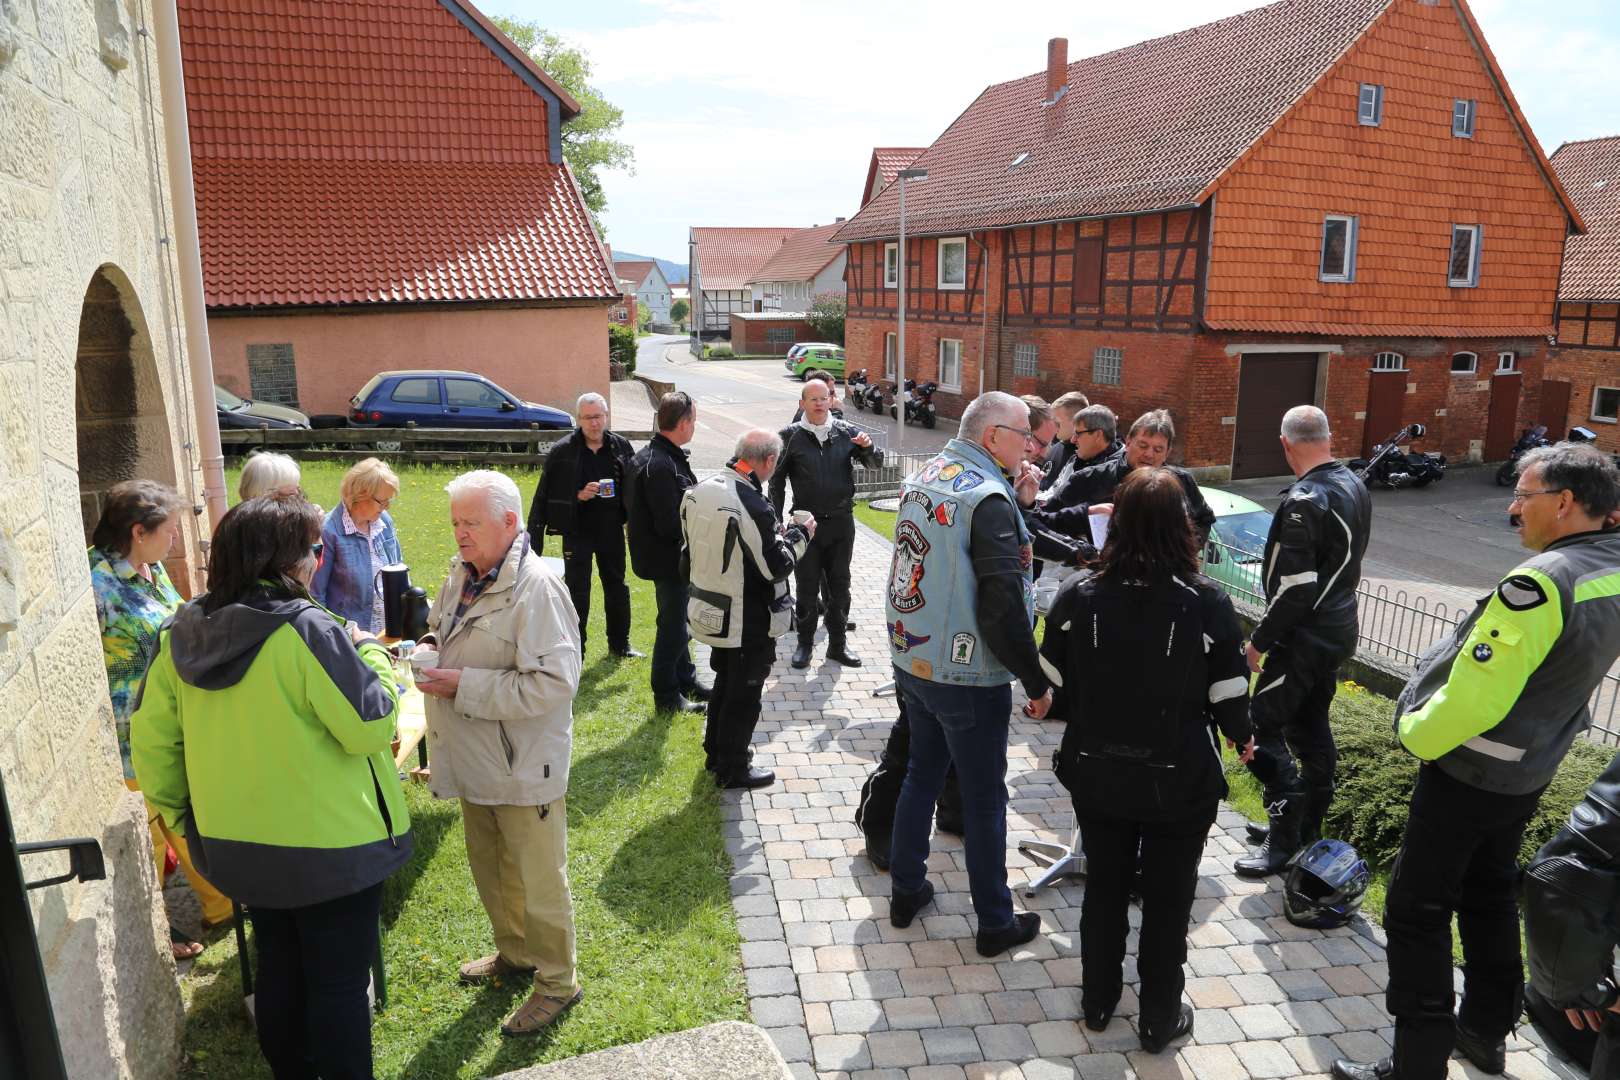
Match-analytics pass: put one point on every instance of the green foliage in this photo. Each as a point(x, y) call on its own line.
point(643, 318)
point(622, 346)
point(678, 311)
point(588, 141)
point(826, 317)
point(719, 352)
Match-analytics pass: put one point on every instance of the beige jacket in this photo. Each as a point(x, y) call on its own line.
point(506, 738)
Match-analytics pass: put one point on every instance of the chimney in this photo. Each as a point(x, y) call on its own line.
point(1057, 68)
point(837, 220)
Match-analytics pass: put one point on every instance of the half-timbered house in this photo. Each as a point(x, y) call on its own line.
point(1328, 201)
point(1582, 383)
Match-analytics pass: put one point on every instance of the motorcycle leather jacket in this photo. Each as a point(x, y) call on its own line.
point(1312, 561)
point(1572, 902)
point(739, 561)
point(822, 474)
point(1068, 508)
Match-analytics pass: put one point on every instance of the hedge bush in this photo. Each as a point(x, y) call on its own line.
point(1376, 777)
point(622, 346)
point(721, 352)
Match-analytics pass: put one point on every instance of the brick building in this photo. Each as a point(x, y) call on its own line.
point(1329, 201)
point(722, 262)
point(1582, 384)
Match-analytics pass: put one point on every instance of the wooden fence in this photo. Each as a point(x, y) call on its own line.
point(494, 446)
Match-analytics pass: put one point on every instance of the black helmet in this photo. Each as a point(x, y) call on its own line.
point(1324, 885)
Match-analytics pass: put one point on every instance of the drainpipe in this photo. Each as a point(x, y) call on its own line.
point(984, 285)
point(188, 258)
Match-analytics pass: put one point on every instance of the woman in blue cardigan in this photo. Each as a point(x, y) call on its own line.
point(358, 539)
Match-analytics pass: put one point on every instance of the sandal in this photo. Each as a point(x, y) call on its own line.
point(183, 947)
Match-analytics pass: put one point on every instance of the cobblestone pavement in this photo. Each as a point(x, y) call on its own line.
point(846, 996)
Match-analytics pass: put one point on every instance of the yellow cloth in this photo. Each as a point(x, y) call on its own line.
point(216, 906)
point(519, 859)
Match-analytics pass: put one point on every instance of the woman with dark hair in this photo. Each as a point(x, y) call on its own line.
point(263, 734)
point(139, 525)
point(1157, 653)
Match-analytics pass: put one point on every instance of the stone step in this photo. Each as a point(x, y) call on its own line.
point(731, 1049)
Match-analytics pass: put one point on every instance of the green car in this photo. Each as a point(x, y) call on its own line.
point(1237, 545)
point(829, 358)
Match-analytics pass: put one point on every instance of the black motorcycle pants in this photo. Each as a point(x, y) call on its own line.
point(829, 554)
point(604, 542)
point(1293, 735)
point(874, 814)
point(734, 704)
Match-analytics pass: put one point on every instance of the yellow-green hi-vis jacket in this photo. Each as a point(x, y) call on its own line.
point(1497, 704)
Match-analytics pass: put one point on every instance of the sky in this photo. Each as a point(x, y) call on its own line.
point(744, 114)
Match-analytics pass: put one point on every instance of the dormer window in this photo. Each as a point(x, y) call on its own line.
point(1370, 108)
point(1462, 117)
point(1022, 157)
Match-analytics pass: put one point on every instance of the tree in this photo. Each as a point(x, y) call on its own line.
point(826, 316)
point(678, 311)
point(622, 346)
point(643, 318)
point(588, 141)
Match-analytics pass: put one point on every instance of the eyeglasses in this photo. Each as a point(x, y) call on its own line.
point(316, 548)
point(382, 504)
point(1520, 496)
point(1028, 435)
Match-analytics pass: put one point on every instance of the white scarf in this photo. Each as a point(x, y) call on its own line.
point(822, 432)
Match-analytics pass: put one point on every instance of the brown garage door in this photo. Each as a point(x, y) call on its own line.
point(1501, 423)
point(1269, 384)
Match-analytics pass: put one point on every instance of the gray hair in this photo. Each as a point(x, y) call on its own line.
point(1585, 471)
point(498, 488)
point(1305, 424)
point(592, 398)
point(265, 472)
point(1098, 418)
point(758, 446)
point(1155, 422)
point(990, 408)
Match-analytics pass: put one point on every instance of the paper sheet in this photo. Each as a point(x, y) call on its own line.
point(1099, 530)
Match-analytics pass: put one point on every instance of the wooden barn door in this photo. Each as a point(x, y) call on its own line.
point(1386, 393)
point(1503, 420)
point(1269, 384)
point(1555, 408)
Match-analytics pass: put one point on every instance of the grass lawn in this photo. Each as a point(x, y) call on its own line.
point(658, 945)
point(879, 521)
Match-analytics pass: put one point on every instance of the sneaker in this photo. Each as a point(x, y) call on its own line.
point(539, 1012)
point(490, 967)
point(1022, 931)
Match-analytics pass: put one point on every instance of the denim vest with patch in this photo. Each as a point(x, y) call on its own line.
point(931, 597)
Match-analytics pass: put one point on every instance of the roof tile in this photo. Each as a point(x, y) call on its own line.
point(1590, 172)
point(803, 254)
point(726, 258)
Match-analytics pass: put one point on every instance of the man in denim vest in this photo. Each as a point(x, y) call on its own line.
point(960, 608)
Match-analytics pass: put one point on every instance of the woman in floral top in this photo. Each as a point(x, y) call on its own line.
point(139, 524)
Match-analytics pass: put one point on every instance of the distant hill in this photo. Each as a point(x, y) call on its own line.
point(673, 271)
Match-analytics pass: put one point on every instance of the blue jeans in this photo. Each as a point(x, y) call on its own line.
point(967, 724)
point(672, 668)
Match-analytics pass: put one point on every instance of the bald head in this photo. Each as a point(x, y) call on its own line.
point(1306, 440)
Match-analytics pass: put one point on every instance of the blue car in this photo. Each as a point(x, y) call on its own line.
point(446, 399)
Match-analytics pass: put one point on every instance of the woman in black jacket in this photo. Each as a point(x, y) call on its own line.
point(1157, 654)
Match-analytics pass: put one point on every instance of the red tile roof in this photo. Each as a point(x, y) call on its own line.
point(887, 161)
point(378, 151)
point(636, 270)
point(803, 254)
point(727, 258)
point(1590, 172)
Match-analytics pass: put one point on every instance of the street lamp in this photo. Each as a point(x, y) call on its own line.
point(900, 338)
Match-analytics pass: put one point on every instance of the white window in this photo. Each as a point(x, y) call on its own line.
point(890, 343)
point(950, 364)
point(1338, 248)
point(1107, 364)
point(891, 266)
point(1606, 404)
point(1464, 363)
point(953, 263)
point(1027, 359)
point(1462, 118)
point(1389, 361)
point(1507, 362)
point(1370, 106)
point(1463, 270)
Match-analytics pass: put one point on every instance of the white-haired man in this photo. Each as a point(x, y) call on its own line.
point(1311, 568)
point(500, 717)
point(581, 498)
point(739, 561)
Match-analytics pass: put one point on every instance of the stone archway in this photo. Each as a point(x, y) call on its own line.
point(123, 422)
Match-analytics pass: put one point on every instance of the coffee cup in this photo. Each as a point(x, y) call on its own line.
point(802, 517)
point(604, 489)
point(421, 661)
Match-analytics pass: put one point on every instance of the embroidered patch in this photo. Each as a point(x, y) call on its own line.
point(951, 471)
point(962, 646)
point(966, 481)
point(931, 470)
point(919, 498)
point(922, 668)
point(1520, 592)
point(904, 640)
point(1026, 556)
point(906, 574)
point(945, 512)
point(1482, 652)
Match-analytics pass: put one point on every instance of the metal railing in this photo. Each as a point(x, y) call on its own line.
point(1394, 628)
point(885, 482)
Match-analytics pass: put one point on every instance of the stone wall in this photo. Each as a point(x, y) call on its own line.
point(83, 197)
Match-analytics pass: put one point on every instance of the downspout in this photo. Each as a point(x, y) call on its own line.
point(188, 256)
point(984, 286)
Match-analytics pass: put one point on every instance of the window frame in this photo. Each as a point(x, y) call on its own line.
point(1464, 113)
point(1594, 415)
point(1379, 365)
point(939, 262)
point(1507, 363)
point(501, 399)
point(434, 380)
point(891, 282)
point(1471, 369)
point(1030, 351)
point(891, 350)
point(1477, 235)
point(1376, 116)
point(1351, 233)
point(953, 387)
point(1115, 357)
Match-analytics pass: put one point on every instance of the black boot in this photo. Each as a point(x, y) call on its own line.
point(877, 850)
point(1489, 1057)
point(840, 653)
point(1257, 832)
point(1281, 841)
point(1345, 1069)
point(801, 655)
point(1154, 1041)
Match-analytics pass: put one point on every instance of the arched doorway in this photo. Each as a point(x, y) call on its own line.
point(123, 424)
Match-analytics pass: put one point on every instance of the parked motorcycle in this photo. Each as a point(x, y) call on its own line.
point(855, 389)
point(919, 403)
point(1530, 439)
point(1393, 466)
point(1587, 435)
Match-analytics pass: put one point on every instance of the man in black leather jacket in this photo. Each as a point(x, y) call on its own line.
point(1061, 451)
point(581, 498)
point(1311, 567)
point(818, 455)
point(1572, 919)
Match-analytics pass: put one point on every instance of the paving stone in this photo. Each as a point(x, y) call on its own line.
point(818, 1018)
point(1314, 1053)
point(1213, 1063)
point(891, 955)
point(1262, 1022)
point(1348, 981)
point(1207, 962)
point(963, 1010)
point(1023, 975)
point(1357, 1013)
point(1213, 992)
point(1310, 1018)
point(1265, 1058)
point(936, 1072)
point(935, 954)
point(793, 1043)
point(1257, 989)
point(1060, 1002)
point(1011, 1042)
point(874, 1074)
point(951, 1045)
point(760, 928)
point(1212, 1026)
point(994, 1070)
point(824, 986)
point(909, 1013)
point(1341, 951)
point(1361, 1045)
point(856, 1017)
point(1165, 1066)
point(762, 954)
point(1301, 955)
point(876, 985)
point(925, 982)
point(771, 982)
point(896, 1049)
point(1119, 1036)
point(1015, 1007)
point(1058, 1038)
point(1101, 1067)
point(839, 958)
point(777, 1012)
point(840, 1052)
point(975, 978)
point(1304, 985)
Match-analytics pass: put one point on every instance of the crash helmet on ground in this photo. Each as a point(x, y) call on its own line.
point(1324, 885)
